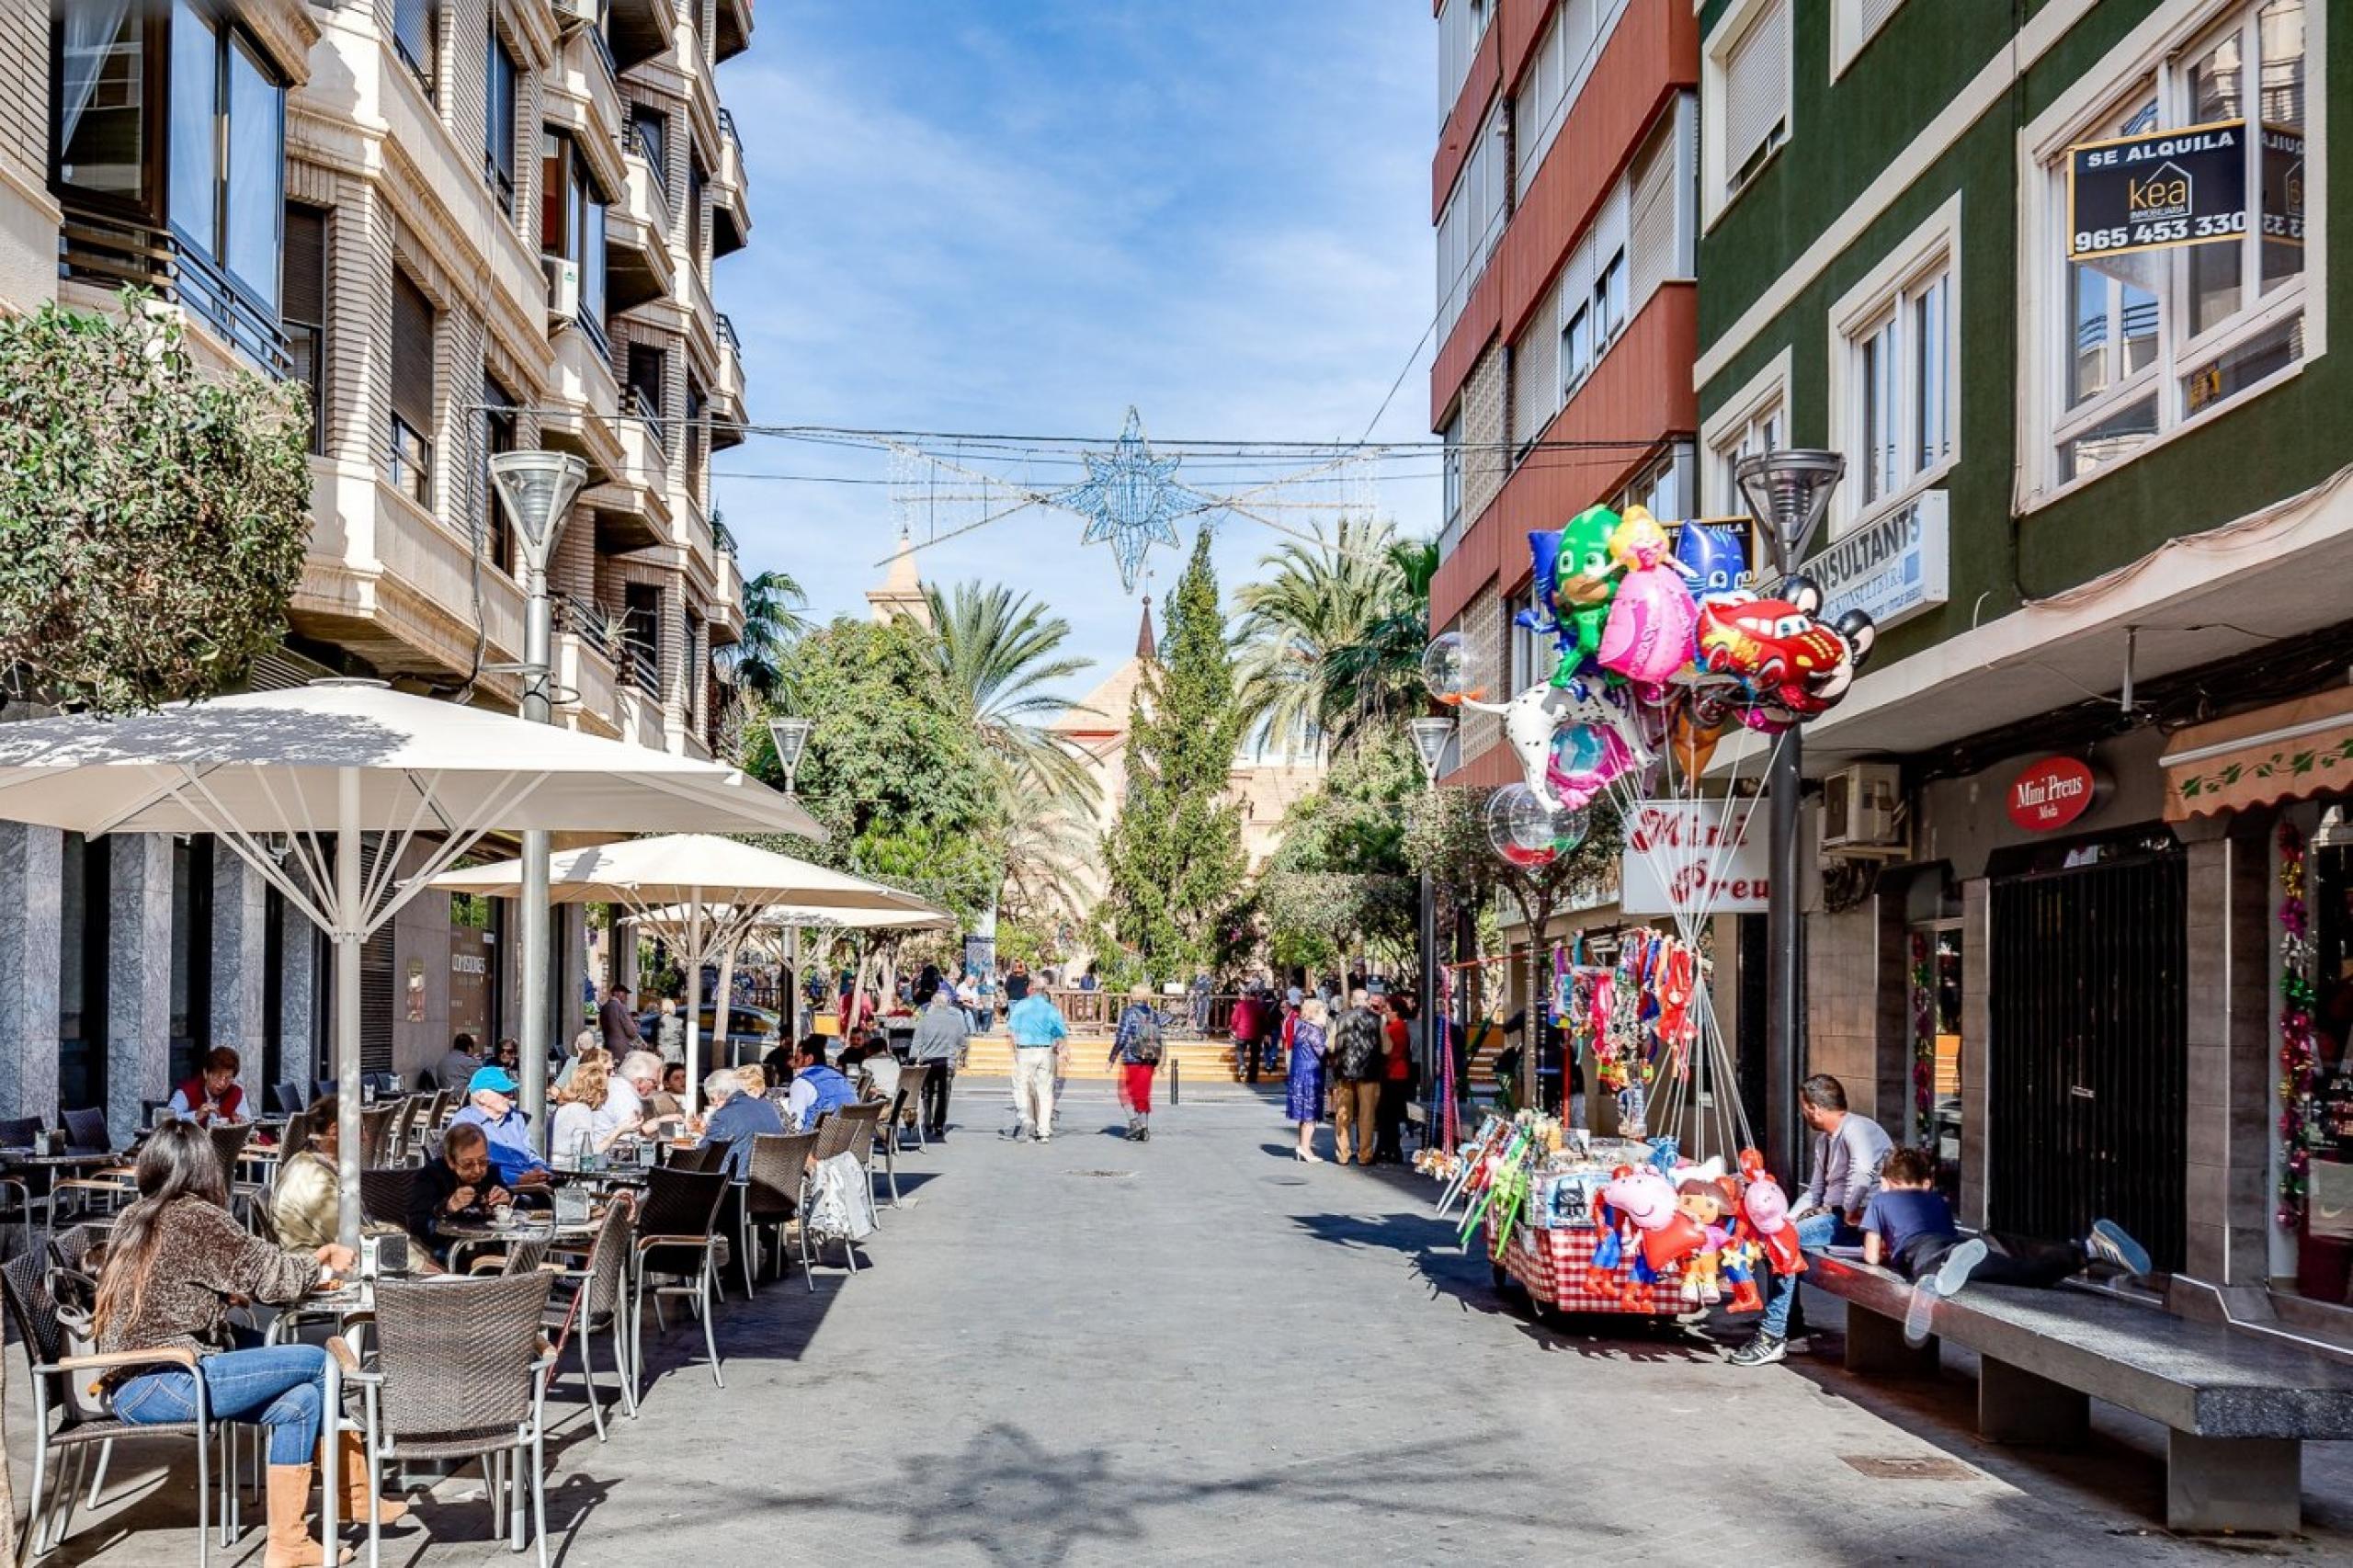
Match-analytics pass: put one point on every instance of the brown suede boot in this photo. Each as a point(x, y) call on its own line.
point(290, 1545)
point(353, 1507)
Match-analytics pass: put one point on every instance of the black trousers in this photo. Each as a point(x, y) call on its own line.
point(935, 1099)
point(1388, 1119)
point(2009, 1260)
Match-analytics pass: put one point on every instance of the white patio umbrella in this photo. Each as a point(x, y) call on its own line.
point(711, 891)
point(775, 932)
point(274, 773)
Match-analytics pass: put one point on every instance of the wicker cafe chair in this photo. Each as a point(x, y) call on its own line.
point(80, 1424)
point(911, 1079)
point(595, 1300)
point(771, 1196)
point(86, 1133)
point(701, 1157)
point(287, 1099)
point(385, 1194)
point(678, 1236)
point(376, 1134)
point(886, 1137)
point(859, 1126)
point(849, 1130)
point(460, 1372)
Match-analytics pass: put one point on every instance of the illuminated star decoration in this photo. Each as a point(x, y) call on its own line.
point(1130, 499)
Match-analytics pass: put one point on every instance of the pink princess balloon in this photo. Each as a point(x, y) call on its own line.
point(1649, 634)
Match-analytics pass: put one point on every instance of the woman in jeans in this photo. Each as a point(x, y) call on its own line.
point(174, 1266)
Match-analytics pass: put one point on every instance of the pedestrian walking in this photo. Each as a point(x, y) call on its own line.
point(1396, 1080)
point(1243, 1028)
point(1137, 1047)
point(940, 1042)
point(1306, 1099)
point(1038, 1029)
point(617, 1021)
point(670, 1033)
point(1356, 1060)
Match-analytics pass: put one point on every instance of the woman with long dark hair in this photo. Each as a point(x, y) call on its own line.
point(174, 1262)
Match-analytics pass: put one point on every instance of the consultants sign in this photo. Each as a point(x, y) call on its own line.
point(1892, 569)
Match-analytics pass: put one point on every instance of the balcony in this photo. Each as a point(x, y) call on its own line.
point(637, 30)
point(584, 672)
point(733, 34)
point(631, 500)
point(582, 95)
point(727, 390)
point(638, 264)
point(109, 252)
point(731, 211)
point(700, 544)
point(726, 617)
point(701, 323)
point(582, 400)
point(702, 110)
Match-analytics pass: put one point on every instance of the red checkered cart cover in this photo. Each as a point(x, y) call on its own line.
point(1555, 1267)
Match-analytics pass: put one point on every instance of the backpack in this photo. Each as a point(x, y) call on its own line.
point(1147, 1051)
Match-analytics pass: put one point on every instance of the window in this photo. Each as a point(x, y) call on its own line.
point(1663, 218)
point(305, 310)
point(1594, 292)
point(1901, 364)
point(100, 108)
point(225, 214)
point(415, 24)
point(1473, 220)
point(1745, 79)
point(503, 79)
point(1532, 652)
point(1753, 420)
point(697, 439)
point(1555, 74)
point(1853, 24)
point(1450, 471)
point(408, 453)
point(2153, 339)
point(697, 221)
point(1576, 345)
point(1460, 25)
point(499, 434)
point(646, 365)
point(572, 224)
point(1664, 487)
point(649, 133)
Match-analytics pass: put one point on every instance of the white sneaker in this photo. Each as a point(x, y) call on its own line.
point(1954, 1269)
point(1920, 1313)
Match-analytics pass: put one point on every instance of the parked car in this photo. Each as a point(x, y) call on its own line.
point(752, 1032)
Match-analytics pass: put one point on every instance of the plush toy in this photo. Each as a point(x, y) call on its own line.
point(1648, 634)
point(1764, 1207)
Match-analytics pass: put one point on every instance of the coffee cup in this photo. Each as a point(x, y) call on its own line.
point(503, 1216)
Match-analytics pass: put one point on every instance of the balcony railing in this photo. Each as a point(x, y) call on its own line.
point(727, 129)
point(643, 407)
point(112, 252)
point(727, 336)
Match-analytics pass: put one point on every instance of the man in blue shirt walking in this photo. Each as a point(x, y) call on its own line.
point(1038, 1029)
point(489, 1105)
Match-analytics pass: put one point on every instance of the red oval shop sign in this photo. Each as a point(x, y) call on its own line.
point(2051, 793)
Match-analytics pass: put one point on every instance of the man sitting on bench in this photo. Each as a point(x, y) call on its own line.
point(1909, 1226)
point(1848, 1152)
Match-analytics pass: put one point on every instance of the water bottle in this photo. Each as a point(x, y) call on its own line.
point(40, 1144)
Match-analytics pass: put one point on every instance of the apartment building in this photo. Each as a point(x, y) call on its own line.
point(469, 226)
point(2048, 278)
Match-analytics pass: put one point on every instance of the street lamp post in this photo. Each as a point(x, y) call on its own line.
point(1787, 492)
point(790, 734)
point(537, 489)
point(1431, 737)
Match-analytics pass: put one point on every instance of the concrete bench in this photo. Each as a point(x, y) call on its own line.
point(2239, 1407)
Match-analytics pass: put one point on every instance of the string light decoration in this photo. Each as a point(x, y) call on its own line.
point(1129, 498)
point(2298, 1060)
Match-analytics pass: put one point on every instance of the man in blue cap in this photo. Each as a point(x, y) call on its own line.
point(489, 1105)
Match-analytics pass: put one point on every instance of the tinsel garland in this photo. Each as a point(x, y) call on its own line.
point(1924, 1035)
point(2299, 1062)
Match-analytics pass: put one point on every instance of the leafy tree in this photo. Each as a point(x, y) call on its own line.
point(1333, 636)
point(1174, 855)
point(152, 515)
point(1341, 881)
point(892, 771)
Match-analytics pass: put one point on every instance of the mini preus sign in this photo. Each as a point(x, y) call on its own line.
point(2050, 794)
point(2158, 189)
point(1693, 857)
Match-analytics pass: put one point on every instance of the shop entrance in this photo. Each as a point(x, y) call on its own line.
point(2088, 1047)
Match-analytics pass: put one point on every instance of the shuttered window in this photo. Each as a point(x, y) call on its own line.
point(1756, 92)
point(1535, 371)
point(413, 24)
point(305, 312)
point(410, 447)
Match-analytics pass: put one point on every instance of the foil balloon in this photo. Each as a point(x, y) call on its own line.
point(1585, 581)
point(1693, 738)
point(1789, 661)
point(1647, 636)
point(1713, 559)
point(1544, 556)
point(1452, 671)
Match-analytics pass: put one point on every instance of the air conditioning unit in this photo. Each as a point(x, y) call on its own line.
point(563, 290)
point(1862, 808)
point(573, 15)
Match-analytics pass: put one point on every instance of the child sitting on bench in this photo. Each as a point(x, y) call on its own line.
point(1909, 1226)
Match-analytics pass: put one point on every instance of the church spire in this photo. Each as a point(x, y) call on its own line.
point(1146, 650)
point(900, 592)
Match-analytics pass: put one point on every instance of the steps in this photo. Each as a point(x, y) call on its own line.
point(1199, 1061)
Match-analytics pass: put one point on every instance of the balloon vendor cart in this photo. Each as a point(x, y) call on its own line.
point(1665, 644)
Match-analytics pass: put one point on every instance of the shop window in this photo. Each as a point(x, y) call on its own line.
point(1933, 1119)
point(2150, 339)
point(2325, 1251)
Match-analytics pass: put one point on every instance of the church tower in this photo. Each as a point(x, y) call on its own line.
point(901, 590)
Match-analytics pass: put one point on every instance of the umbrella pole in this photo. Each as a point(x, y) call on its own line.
point(348, 939)
point(537, 960)
point(723, 1051)
point(698, 934)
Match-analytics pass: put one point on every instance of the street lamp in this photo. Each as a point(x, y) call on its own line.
point(1431, 738)
point(1788, 492)
point(791, 736)
point(537, 488)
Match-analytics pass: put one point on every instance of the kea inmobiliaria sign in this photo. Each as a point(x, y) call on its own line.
point(2184, 186)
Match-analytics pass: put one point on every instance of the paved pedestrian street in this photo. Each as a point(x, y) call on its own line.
point(1199, 1351)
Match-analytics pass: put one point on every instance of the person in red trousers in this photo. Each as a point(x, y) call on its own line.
point(1137, 1048)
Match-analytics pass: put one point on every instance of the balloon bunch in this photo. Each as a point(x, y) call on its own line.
point(1661, 648)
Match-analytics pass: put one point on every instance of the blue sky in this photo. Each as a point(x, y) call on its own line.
point(1024, 217)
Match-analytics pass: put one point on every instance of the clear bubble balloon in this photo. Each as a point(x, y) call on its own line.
point(1526, 832)
point(1452, 671)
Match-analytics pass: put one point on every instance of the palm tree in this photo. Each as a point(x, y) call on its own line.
point(773, 603)
point(1374, 684)
point(1319, 602)
point(999, 651)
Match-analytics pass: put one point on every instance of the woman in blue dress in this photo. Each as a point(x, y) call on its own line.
point(1306, 1100)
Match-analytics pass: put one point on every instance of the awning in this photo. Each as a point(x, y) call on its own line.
point(2282, 752)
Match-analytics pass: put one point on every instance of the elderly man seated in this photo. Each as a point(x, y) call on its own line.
point(457, 1187)
point(736, 1119)
point(490, 1106)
